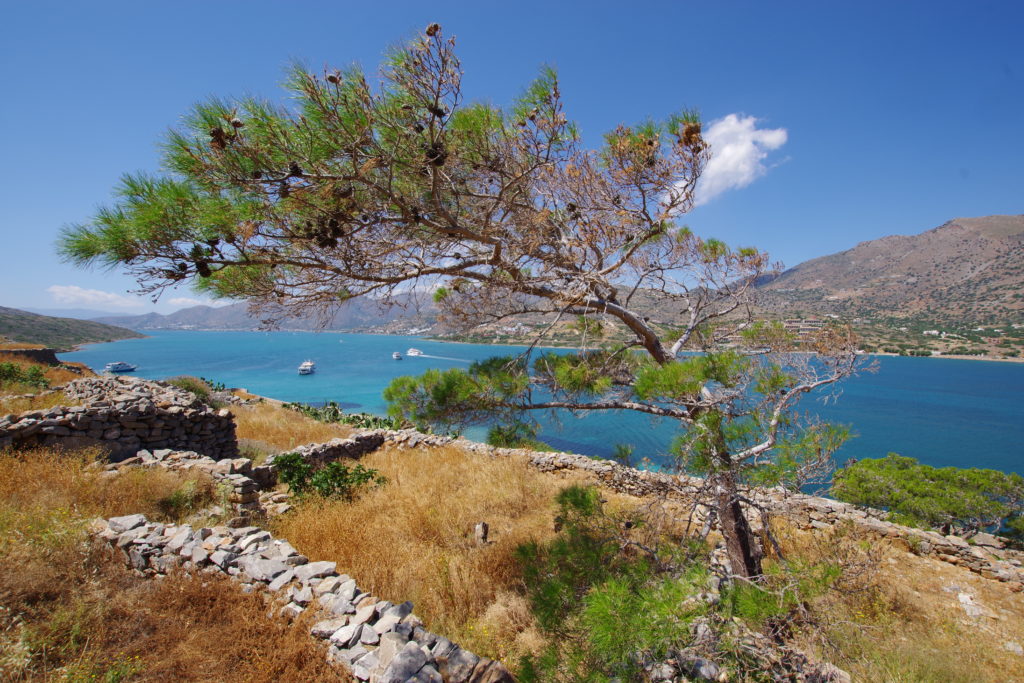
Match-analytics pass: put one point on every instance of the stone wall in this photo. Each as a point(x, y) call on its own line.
point(44, 356)
point(376, 640)
point(983, 554)
point(125, 415)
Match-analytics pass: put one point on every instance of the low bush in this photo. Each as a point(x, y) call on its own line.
point(198, 386)
point(333, 480)
point(21, 379)
point(332, 412)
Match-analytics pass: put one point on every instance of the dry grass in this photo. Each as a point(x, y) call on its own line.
point(36, 402)
point(55, 374)
point(19, 345)
point(412, 539)
point(897, 616)
point(70, 612)
point(48, 496)
point(105, 624)
point(283, 429)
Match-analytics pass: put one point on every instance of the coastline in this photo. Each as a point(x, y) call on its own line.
point(878, 354)
point(951, 356)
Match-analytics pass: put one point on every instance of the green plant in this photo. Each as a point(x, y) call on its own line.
point(333, 480)
point(510, 213)
point(33, 376)
point(952, 499)
point(194, 385)
point(516, 435)
point(188, 498)
point(332, 412)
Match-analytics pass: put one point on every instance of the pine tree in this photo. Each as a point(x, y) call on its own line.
point(366, 191)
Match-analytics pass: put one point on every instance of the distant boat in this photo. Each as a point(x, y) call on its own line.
point(120, 366)
point(414, 352)
point(397, 355)
point(307, 367)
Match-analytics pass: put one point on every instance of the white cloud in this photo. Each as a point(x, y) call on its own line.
point(73, 295)
point(738, 152)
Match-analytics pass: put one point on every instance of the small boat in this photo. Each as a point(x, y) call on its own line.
point(397, 355)
point(120, 366)
point(414, 352)
point(307, 367)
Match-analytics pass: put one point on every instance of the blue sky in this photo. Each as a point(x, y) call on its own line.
point(837, 122)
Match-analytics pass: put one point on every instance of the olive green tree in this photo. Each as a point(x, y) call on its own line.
point(402, 187)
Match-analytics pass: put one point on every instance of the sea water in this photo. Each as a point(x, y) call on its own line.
point(943, 412)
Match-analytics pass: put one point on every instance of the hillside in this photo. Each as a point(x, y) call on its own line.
point(59, 333)
point(969, 269)
point(355, 315)
point(966, 269)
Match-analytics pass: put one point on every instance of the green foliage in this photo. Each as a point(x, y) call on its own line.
point(683, 380)
point(293, 470)
point(196, 385)
point(622, 453)
point(332, 412)
point(603, 607)
point(516, 434)
point(32, 377)
point(188, 498)
point(813, 444)
point(333, 480)
point(949, 498)
point(484, 392)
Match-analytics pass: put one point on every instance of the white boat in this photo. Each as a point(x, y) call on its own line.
point(307, 367)
point(414, 352)
point(120, 366)
point(397, 355)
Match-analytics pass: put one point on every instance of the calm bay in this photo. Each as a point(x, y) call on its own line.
point(943, 412)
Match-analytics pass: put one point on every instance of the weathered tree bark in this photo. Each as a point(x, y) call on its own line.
point(740, 544)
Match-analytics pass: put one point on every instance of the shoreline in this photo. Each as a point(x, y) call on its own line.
point(878, 354)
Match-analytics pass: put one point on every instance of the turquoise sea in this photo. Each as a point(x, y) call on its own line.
point(943, 412)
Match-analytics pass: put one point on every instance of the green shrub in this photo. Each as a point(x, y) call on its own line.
point(332, 412)
point(188, 498)
point(195, 385)
point(517, 435)
point(32, 377)
point(333, 480)
point(948, 498)
point(603, 607)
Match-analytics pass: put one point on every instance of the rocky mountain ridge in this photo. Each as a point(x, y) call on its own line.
point(966, 269)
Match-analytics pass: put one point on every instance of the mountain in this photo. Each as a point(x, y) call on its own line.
point(58, 333)
point(76, 313)
point(968, 269)
point(357, 314)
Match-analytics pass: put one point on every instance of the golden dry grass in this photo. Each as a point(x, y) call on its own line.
point(47, 496)
point(19, 345)
point(283, 429)
point(36, 402)
point(412, 539)
point(898, 616)
point(70, 612)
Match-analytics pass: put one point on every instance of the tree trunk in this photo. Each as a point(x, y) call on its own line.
point(744, 555)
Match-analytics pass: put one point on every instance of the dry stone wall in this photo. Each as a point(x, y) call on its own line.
point(983, 553)
point(376, 640)
point(125, 415)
